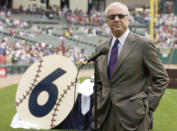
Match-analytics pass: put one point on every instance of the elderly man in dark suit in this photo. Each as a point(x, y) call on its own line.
point(124, 97)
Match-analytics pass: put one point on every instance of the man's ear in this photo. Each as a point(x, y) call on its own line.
point(129, 19)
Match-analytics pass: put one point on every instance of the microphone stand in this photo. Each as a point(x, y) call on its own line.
point(103, 51)
point(94, 125)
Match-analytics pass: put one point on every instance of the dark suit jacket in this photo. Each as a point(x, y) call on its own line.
point(128, 90)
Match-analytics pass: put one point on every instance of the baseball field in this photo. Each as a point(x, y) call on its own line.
point(165, 117)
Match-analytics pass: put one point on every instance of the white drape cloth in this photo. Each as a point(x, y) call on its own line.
point(86, 90)
point(18, 123)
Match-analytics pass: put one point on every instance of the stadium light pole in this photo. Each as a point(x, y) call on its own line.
point(152, 19)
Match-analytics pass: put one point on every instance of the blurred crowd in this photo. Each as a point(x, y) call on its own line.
point(23, 52)
point(166, 30)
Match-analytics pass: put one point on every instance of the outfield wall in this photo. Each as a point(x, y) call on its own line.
point(172, 73)
point(168, 55)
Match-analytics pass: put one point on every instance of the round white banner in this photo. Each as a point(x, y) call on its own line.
point(45, 95)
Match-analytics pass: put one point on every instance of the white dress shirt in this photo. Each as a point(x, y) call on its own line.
point(121, 39)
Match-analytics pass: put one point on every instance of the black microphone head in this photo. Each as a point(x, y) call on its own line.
point(104, 50)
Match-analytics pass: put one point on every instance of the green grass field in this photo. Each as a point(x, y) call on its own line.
point(165, 117)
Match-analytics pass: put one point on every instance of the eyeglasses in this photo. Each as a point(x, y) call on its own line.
point(120, 16)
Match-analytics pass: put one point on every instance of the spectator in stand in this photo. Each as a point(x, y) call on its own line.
point(11, 31)
point(8, 14)
point(2, 59)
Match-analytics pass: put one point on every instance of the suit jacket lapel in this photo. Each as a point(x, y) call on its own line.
point(105, 63)
point(126, 50)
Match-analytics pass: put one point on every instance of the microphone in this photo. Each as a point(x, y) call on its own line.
point(103, 51)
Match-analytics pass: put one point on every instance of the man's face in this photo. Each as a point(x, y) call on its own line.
point(117, 19)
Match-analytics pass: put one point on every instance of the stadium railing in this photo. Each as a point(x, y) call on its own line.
point(15, 68)
point(12, 69)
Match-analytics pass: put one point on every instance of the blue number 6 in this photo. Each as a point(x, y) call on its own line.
point(45, 85)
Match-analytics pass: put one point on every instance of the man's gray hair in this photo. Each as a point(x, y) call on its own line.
point(117, 4)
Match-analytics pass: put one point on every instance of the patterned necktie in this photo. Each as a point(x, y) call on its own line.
point(113, 59)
